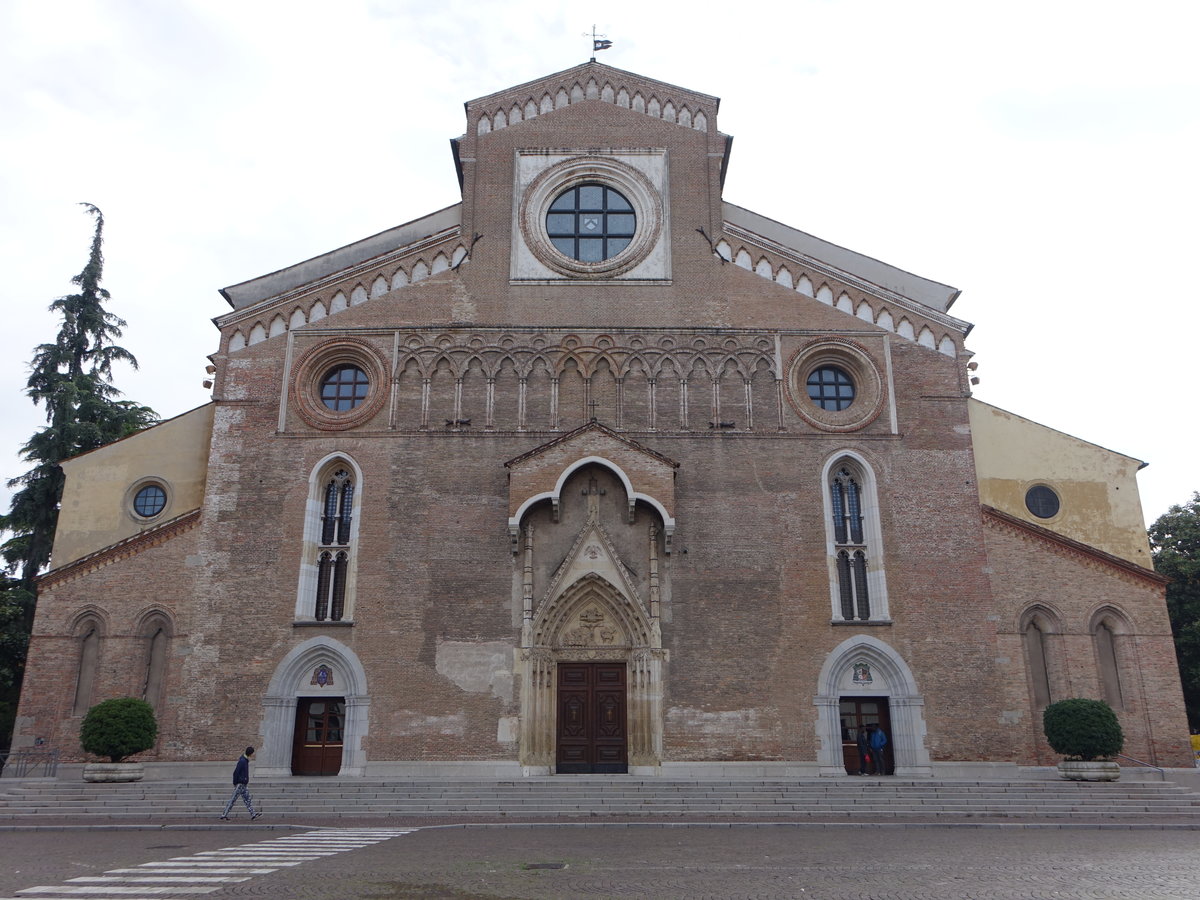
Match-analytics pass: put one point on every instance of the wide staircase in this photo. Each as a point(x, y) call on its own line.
point(597, 798)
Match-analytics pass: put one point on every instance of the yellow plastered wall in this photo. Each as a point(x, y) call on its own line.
point(1097, 488)
point(97, 503)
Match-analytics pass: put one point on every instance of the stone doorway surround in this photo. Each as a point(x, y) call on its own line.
point(866, 666)
point(592, 609)
point(316, 667)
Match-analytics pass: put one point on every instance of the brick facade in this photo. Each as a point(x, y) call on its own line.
point(557, 467)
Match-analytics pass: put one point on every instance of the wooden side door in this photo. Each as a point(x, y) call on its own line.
point(856, 713)
point(317, 745)
point(591, 718)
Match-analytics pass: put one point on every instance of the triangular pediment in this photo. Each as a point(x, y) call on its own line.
point(593, 555)
point(588, 82)
point(539, 475)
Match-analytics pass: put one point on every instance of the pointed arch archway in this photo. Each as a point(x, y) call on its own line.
point(299, 674)
point(591, 620)
point(886, 675)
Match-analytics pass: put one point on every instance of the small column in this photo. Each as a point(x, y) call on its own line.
point(527, 590)
point(655, 606)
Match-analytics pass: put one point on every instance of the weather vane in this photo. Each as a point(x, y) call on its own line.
point(599, 42)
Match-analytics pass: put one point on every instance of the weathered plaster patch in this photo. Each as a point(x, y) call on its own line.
point(408, 722)
point(1011, 716)
point(508, 729)
point(731, 722)
point(464, 307)
point(477, 667)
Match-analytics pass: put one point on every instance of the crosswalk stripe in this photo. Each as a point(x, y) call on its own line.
point(115, 891)
point(209, 870)
point(154, 880)
point(151, 867)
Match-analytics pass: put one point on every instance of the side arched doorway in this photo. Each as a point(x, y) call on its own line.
point(864, 681)
point(315, 713)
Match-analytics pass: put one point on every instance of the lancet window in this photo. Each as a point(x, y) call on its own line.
point(856, 570)
point(327, 573)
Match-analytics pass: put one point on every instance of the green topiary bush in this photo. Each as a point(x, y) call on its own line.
point(1083, 729)
point(118, 728)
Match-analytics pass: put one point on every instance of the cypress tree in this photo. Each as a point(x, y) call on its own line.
point(72, 379)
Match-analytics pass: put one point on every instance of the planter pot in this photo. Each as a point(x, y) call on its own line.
point(113, 772)
point(1090, 770)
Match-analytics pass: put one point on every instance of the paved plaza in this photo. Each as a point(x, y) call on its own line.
point(615, 860)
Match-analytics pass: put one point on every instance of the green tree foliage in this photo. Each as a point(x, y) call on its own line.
point(1083, 729)
point(1175, 542)
point(118, 728)
point(72, 379)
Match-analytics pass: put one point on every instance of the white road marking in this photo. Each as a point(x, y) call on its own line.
point(208, 870)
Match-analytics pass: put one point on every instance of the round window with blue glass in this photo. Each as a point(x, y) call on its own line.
point(149, 501)
point(591, 223)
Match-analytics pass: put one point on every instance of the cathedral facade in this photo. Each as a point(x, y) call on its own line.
point(597, 472)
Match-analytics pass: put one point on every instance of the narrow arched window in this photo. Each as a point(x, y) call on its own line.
point(327, 574)
point(1110, 671)
point(156, 663)
point(339, 502)
point(1036, 656)
point(849, 537)
point(85, 679)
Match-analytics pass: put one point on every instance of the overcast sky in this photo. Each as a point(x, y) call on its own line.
point(1040, 156)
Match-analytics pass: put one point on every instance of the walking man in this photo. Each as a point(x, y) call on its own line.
point(241, 781)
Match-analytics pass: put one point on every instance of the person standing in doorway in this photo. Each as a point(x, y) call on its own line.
point(864, 749)
point(241, 785)
point(878, 741)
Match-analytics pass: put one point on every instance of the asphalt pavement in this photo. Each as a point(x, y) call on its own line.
point(568, 860)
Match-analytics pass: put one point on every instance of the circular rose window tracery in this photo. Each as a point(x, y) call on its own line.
point(591, 217)
point(834, 385)
point(339, 384)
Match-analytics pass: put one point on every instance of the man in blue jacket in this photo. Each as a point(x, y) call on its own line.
point(241, 781)
point(878, 741)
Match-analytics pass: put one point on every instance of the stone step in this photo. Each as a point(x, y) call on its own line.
point(841, 799)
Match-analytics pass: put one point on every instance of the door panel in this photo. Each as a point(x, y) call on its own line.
point(591, 718)
point(317, 745)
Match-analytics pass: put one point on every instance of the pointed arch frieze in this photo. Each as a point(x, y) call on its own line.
point(539, 475)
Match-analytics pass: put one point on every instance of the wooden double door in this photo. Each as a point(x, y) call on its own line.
point(317, 745)
point(591, 718)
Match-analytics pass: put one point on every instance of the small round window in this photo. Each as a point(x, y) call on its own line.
point(344, 388)
point(149, 501)
point(830, 388)
point(1042, 501)
point(590, 223)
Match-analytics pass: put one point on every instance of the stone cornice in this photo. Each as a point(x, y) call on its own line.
point(130, 546)
point(805, 261)
point(1070, 547)
point(350, 273)
point(592, 426)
